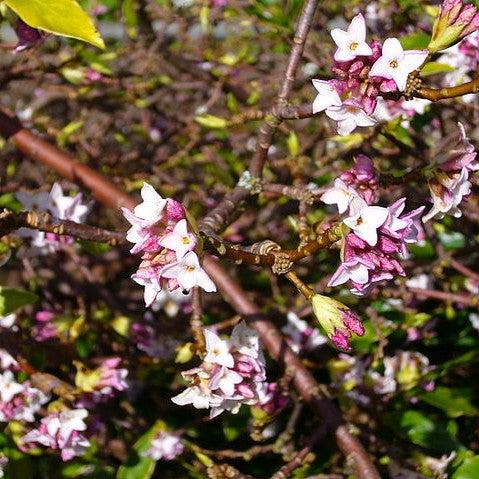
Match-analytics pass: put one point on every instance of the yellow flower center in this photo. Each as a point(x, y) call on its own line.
point(185, 240)
point(393, 64)
point(190, 269)
point(353, 46)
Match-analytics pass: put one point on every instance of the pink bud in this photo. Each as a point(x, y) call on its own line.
point(352, 322)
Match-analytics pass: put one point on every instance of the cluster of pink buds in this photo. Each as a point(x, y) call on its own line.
point(19, 401)
point(363, 72)
point(61, 431)
point(377, 235)
point(166, 446)
point(449, 182)
point(232, 373)
point(46, 327)
point(101, 383)
point(339, 322)
point(160, 232)
point(59, 206)
point(455, 21)
point(274, 399)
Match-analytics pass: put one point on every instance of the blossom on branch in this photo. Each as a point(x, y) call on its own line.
point(159, 230)
point(232, 373)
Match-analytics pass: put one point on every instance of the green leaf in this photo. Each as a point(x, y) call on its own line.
point(452, 240)
point(454, 402)
point(11, 299)
point(138, 466)
point(425, 431)
point(61, 17)
point(469, 469)
point(431, 68)
point(415, 41)
point(211, 121)
point(293, 144)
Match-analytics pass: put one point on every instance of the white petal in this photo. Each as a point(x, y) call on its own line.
point(374, 215)
point(362, 119)
point(381, 68)
point(357, 28)
point(400, 77)
point(346, 126)
point(392, 48)
point(339, 278)
point(360, 274)
point(344, 54)
point(205, 282)
point(413, 59)
point(341, 38)
point(363, 49)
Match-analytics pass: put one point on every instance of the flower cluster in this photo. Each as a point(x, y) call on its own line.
point(449, 182)
point(160, 232)
point(100, 383)
point(59, 206)
point(377, 234)
point(61, 431)
point(363, 72)
point(232, 373)
point(403, 371)
point(165, 446)
point(18, 401)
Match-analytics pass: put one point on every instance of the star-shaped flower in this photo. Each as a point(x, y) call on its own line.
point(366, 223)
point(396, 64)
point(355, 269)
point(189, 273)
point(217, 350)
point(327, 96)
point(349, 115)
point(351, 43)
point(340, 195)
point(179, 240)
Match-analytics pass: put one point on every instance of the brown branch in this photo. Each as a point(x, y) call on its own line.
point(436, 94)
point(37, 149)
point(196, 322)
point(464, 269)
point(10, 221)
point(216, 220)
point(303, 381)
point(445, 296)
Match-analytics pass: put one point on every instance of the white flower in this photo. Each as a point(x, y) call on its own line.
point(340, 195)
point(474, 319)
point(9, 388)
point(67, 422)
point(200, 399)
point(349, 115)
point(327, 96)
point(447, 196)
point(189, 273)
point(179, 240)
point(420, 281)
point(170, 301)
point(151, 285)
point(366, 223)
point(67, 207)
point(245, 340)
point(8, 321)
point(356, 270)
point(225, 380)
point(217, 350)
point(396, 64)
point(351, 43)
point(165, 446)
point(7, 360)
point(150, 210)
point(301, 335)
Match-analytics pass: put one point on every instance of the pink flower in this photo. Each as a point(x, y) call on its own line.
point(366, 223)
point(327, 96)
point(349, 116)
point(165, 446)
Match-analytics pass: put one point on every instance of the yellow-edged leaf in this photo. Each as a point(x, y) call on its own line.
point(61, 17)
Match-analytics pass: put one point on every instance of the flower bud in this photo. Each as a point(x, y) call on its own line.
point(454, 22)
point(337, 320)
